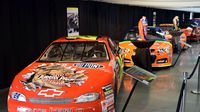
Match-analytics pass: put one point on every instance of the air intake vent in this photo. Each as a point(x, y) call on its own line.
point(50, 100)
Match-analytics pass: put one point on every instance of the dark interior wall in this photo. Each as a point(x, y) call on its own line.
point(196, 15)
point(97, 18)
point(27, 27)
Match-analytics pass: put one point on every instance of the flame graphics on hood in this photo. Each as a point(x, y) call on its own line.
point(53, 76)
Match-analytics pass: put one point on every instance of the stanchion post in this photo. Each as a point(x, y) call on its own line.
point(197, 91)
point(185, 76)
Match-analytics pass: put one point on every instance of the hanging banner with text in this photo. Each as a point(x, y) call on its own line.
point(72, 21)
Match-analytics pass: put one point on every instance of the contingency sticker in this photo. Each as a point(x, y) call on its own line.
point(108, 91)
point(88, 65)
point(108, 103)
point(53, 76)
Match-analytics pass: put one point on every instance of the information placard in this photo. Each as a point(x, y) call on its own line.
point(72, 21)
point(140, 74)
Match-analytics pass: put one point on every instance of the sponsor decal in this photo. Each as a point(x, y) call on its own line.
point(108, 91)
point(110, 108)
point(162, 61)
point(60, 110)
point(53, 76)
point(50, 92)
point(88, 65)
point(25, 109)
point(108, 104)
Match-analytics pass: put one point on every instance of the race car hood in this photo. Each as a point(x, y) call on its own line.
point(161, 44)
point(71, 80)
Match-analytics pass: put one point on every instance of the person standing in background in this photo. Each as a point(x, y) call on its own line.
point(142, 27)
point(176, 23)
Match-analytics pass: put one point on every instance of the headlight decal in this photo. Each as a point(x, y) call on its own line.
point(162, 50)
point(88, 97)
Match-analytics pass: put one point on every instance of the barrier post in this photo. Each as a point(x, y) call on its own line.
point(182, 96)
point(185, 76)
point(197, 91)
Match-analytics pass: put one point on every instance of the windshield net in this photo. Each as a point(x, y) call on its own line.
point(76, 51)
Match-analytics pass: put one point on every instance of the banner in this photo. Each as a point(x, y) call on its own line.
point(72, 21)
point(154, 19)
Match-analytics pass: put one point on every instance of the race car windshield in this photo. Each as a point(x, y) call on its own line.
point(152, 34)
point(75, 51)
point(131, 35)
point(167, 28)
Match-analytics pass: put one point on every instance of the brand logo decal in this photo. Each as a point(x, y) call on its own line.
point(53, 76)
point(50, 92)
point(88, 65)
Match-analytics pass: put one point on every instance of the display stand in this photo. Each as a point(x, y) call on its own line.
point(142, 57)
point(142, 70)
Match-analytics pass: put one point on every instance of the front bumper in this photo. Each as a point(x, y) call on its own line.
point(95, 106)
point(162, 60)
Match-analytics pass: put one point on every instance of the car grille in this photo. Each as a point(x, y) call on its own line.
point(127, 60)
point(160, 61)
point(50, 100)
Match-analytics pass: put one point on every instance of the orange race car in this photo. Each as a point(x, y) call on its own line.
point(74, 74)
point(161, 49)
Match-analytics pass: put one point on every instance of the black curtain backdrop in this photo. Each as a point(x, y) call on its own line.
point(98, 18)
point(29, 26)
point(196, 15)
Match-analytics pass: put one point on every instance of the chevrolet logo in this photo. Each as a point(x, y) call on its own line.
point(50, 92)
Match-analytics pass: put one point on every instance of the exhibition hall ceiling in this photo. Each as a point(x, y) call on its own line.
point(185, 5)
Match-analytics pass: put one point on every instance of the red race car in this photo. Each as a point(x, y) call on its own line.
point(191, 29)
point(74, 74)
point(177, 39)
